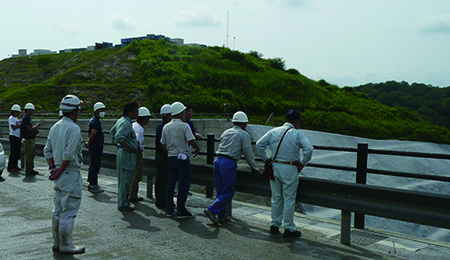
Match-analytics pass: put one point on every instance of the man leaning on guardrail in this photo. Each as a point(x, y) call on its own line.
point(287, 164)
point(233, 143)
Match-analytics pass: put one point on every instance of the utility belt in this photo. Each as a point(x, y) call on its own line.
point(228, 157)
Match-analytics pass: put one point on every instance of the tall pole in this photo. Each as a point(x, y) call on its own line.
point(227, 28)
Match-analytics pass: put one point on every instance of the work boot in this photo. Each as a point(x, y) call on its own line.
point(55, 232)
point(65, 238)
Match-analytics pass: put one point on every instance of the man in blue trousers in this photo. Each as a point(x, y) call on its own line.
point(233, 143)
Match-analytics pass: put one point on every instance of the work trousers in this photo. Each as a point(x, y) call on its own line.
point(29, 145)
point(178, 170)
point(68, 188)
point(96, 152)
point(126, 163)
point(225, 180)
point(15, 144)
point(284, 193)
point(137, 176)
point(161, 180)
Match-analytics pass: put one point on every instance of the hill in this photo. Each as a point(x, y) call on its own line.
point(210, 79)
point(431, 103)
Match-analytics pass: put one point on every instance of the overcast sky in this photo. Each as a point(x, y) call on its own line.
point(345, 42)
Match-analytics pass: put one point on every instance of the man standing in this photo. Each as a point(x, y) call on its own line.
point(189, 114)
point(138, 127)
point(286, 165)
point(28, 132)
point(95, 146)
point(64, 157)
point(123, 135)
point(161, 160)
point(233, 143)
point(176, 139)
point(15, 141)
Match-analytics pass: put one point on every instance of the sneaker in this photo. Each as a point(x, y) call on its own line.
point(30, 174)
point(224, 220)
point(169, 214)
point(126, 208)
point(274, 230)
point(211, 216)
point(134, 200)
point(34, 172)
point(186, 214)
point(94, 189)
point(2, 179)
point(295, 233)
point(12, 169)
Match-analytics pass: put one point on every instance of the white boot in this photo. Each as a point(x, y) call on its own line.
point(65, 238)
point(55, 232)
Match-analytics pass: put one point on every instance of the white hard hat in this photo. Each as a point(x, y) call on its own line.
point(143, 111)
point(15, 108)
point(29, 106)
point(165, 109)
point(99, 105)
point(239, 117)
point(177, 108)
point(69, 103)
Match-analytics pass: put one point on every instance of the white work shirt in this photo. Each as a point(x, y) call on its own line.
point(234, 142)
point(139, 130)
point(176, 136)
point(14, 121)
point(294, 144)
point(64, 143)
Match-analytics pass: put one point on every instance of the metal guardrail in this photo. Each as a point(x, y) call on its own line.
point(416, 207)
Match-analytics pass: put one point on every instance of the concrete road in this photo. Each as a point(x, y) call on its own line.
point(25, 229)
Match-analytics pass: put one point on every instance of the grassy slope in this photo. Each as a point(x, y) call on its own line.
point(154, 73)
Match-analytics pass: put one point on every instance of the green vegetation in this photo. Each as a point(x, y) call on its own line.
point(431, 103)
point(210, 79)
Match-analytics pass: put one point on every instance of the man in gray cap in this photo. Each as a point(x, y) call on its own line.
point(294, 152)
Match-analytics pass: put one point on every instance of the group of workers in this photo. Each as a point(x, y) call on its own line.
point(175, 138)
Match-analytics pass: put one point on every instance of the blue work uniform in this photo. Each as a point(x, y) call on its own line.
point(95, 149)
point(234, 143)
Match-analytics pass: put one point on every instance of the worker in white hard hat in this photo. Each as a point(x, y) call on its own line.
point(292, 151)
point(138, 127)
point(95, 146)
point(28, 132)
point(161, 160)
point(123, 135)
point(63, 151)
point(15, 141)
point(234, 143)
point(176, 139)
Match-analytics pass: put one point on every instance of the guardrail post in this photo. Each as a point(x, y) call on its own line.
point(210, 160)
point(346, 218)
point(149, 187)
point(361, 177)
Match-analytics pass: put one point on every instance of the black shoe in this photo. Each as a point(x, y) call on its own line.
point(295, 233)
point(127, 208)
point(134, 200)
point(274, 230)
point(2, 179)
point(211, 216)
point(224, 220)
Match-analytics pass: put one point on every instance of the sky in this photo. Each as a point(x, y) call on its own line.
point(345, 42)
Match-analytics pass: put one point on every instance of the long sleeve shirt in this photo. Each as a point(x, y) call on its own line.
point(64, 143)
point(235, 142)
point(139, 130)
point(123, 131)
point(294, 147)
